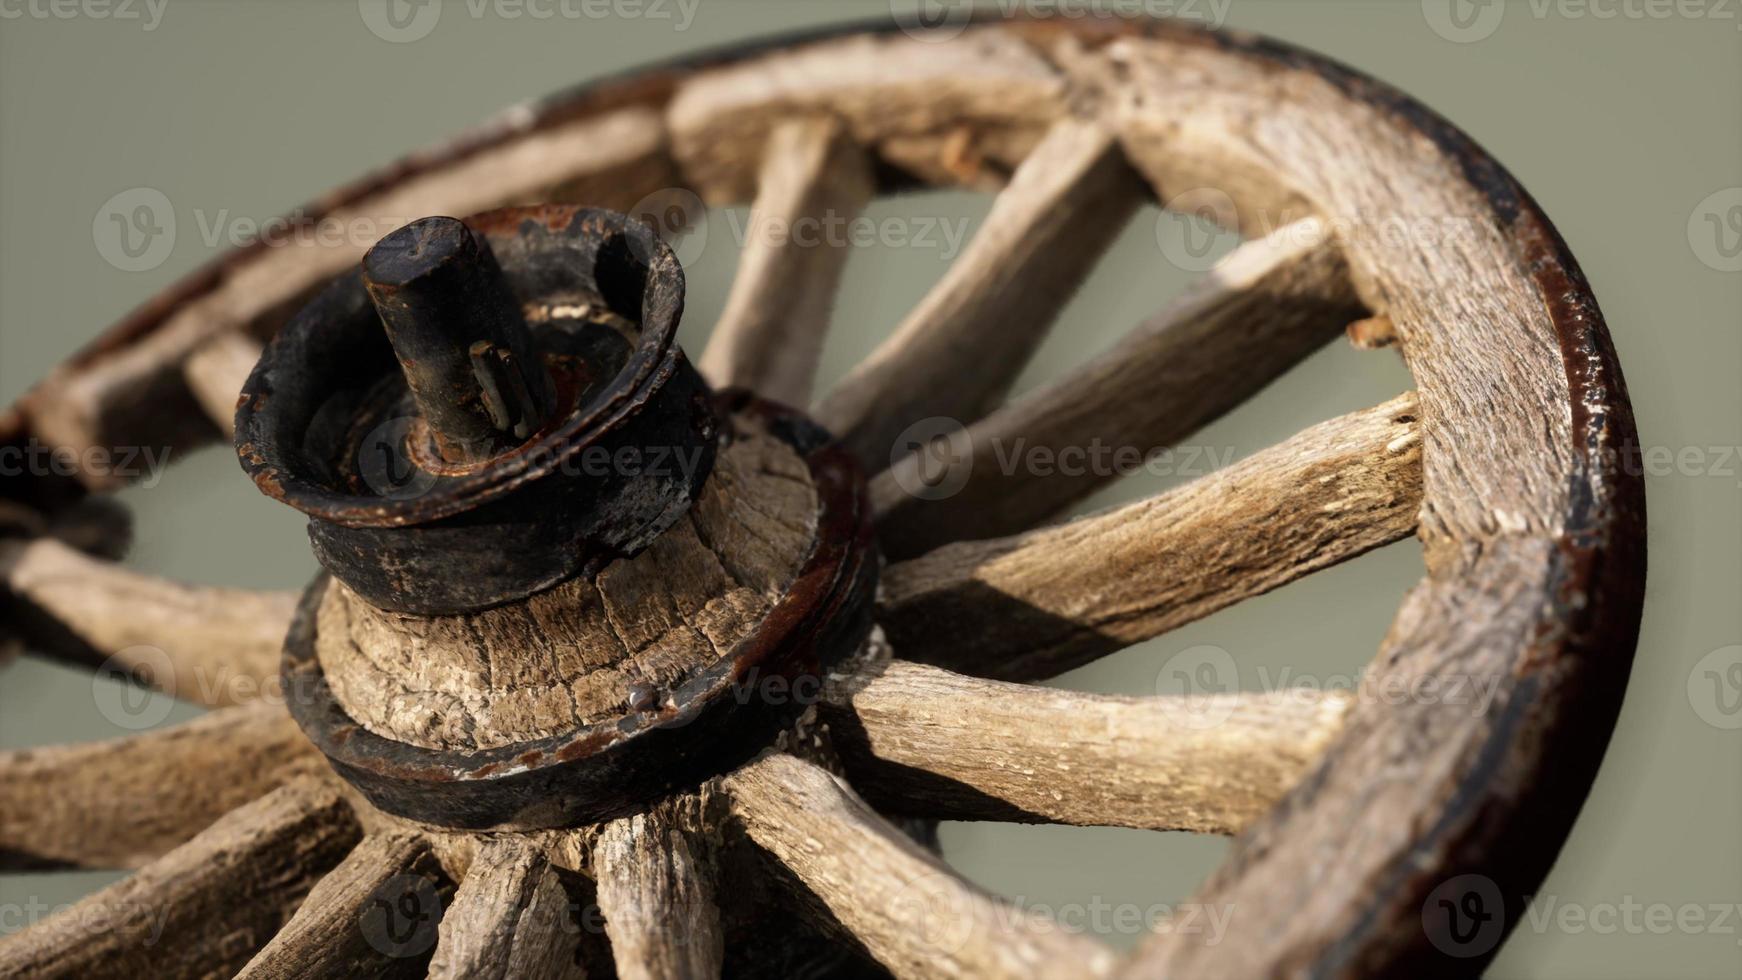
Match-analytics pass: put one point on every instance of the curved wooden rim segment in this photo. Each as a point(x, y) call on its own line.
point(1534, 532)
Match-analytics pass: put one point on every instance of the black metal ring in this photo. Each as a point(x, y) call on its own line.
point(329, 388)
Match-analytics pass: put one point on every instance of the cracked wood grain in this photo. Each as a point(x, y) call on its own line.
point(205, 644)
point(657, 890)
point(770, 336)
point(588, 648)
point(959, 351)
point(1040, 603)
point(123, 802)
point(1532, 531)
point(1262, 309)
point(375, 915)
point(925, 742)
point(202, 909)
point(947, 113)
point(509, 919)
point(907, 908)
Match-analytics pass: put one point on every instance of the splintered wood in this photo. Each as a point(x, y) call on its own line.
point(123, 802)
point(588, 649)
point(950, 113)
point(1045, 601)
point(925, 742)
point(203, 644)
point(202, 909)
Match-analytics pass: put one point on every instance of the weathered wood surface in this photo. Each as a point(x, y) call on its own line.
point(1263, 308)
point(1037, 604)
point(205, 644)
point(769, 338)
point(1534, 534)
point(903, 904)
point(215, 372)
point(657, 890)
point(136, 393)
point(509, 919)
point(375, 915)
point(123, 802)
point(947, 113)
point(959, 351)
point(202, 909)
point(925, 742)
point(587, 649)
point(1532, 531)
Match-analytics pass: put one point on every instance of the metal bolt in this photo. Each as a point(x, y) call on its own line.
point(459, 337)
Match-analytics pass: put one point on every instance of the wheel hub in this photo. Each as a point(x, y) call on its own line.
point(524, 422)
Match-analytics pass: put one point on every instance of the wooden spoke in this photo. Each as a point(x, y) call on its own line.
point(215, 373)
point(123, 802)
point(1038, 604)
point(509, 919)
point(922, 741)
point(958, 353)
point(130, 389)
point(657, 893)
point(100, 526)
point(906, 907)
point(1264, 307)
point(202, 909)
point(771, 333)
point(208, 645)
point(953, 114)
point(376, 914)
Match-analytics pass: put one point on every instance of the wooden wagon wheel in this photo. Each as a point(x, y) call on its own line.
point(1359, 818)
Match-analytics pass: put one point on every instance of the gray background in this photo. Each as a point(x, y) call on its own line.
point(1621, 126)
